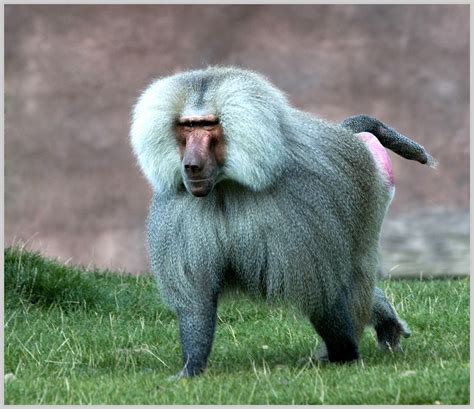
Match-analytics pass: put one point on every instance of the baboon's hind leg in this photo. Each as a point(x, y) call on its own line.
point(338, 332)
point(388, 326)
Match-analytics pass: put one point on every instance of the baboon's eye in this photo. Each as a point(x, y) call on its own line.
point(200, 123)
point(188, 125)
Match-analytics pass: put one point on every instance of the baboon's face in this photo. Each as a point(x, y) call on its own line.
point(202, 127)
point(202, 150)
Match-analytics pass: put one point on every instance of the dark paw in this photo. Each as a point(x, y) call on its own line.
point(389, 335)
point(343, 353)
point(404, 330)
point(187, 372)
point(344, 360)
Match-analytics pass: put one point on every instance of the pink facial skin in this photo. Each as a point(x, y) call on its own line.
point(380, 155)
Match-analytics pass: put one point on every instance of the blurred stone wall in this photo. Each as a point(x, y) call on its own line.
point(72, 73)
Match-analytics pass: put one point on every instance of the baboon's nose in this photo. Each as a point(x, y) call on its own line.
point(192, 168)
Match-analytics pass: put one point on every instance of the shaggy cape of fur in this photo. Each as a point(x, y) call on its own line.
point(296, 212)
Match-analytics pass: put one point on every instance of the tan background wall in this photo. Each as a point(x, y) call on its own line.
point(72, 73)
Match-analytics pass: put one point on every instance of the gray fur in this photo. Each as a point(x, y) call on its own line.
point(296, 211)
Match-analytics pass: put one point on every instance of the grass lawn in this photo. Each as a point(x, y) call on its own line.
point(75, 337)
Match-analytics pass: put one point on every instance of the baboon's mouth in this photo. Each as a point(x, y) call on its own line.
point(199, 187)
point(199, 180)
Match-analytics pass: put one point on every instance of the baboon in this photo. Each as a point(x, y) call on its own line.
point(252, 192)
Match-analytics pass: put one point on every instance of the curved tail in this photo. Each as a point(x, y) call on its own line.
point(389, 138)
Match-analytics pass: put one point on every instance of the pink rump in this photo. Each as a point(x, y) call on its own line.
point(380, 155)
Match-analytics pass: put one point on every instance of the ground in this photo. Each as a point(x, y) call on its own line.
point(77, 337)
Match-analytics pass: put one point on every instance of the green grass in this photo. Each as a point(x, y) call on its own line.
point(76, 337)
